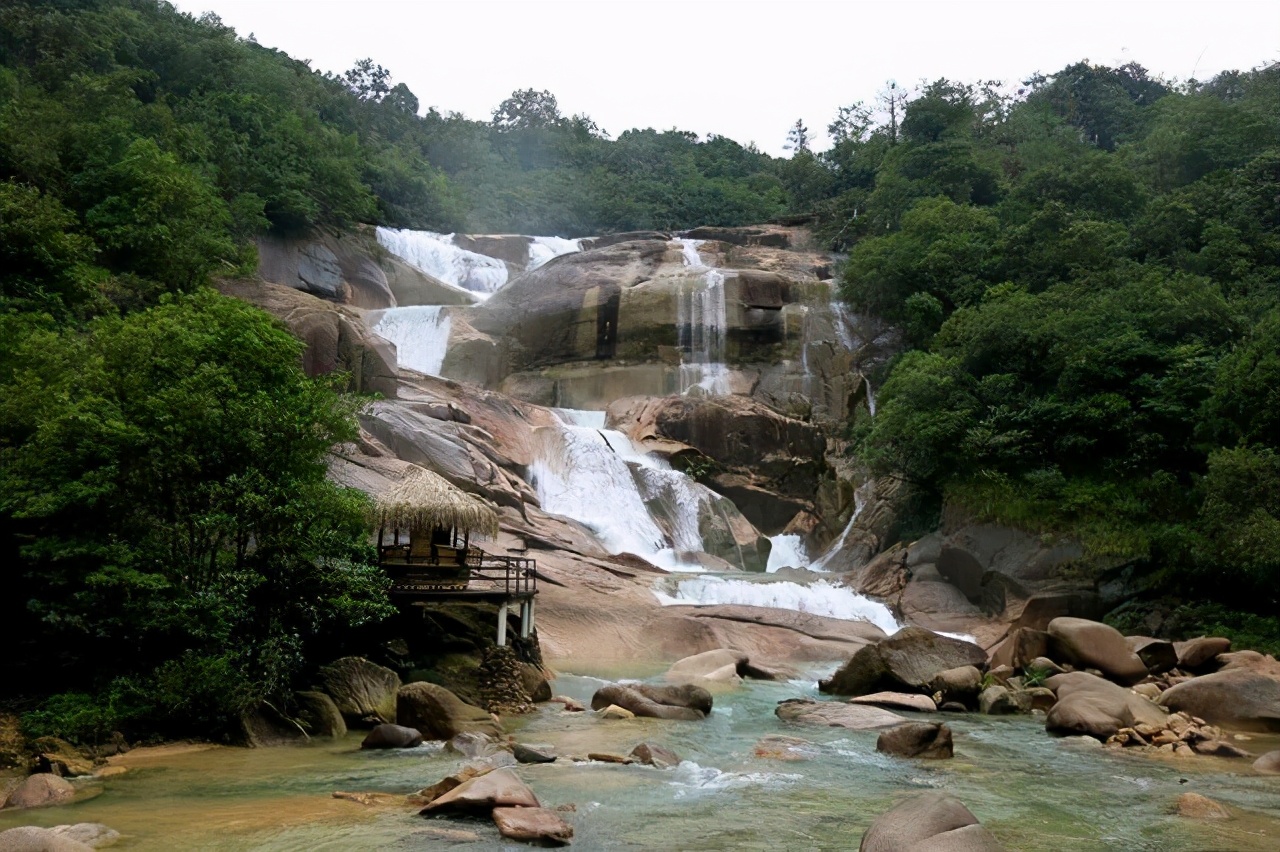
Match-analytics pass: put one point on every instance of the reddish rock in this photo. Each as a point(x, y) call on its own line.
point(538, 825)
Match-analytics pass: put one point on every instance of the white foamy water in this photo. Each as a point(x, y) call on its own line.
point(421, 336)
point(542, 249)
point(871, 397)
point(601, 479)
point(788, 552)
point(436, 255)
point(691, 777)
point(820, 598)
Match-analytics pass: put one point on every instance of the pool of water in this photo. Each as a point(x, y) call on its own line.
point(1033, 791)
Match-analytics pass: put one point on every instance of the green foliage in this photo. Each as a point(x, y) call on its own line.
point(164, 484)
point(1094, 336)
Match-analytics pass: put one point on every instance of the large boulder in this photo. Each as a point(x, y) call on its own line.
point(928, 822)
point(496, 789)
point(1237, 699)
point(533, 825)
point(41, 790)
point(364, 692)
point(1095, 645)
point(439, 714)
point(686, 702)
point(651, 754)
point(717, 666)
point(1022, 646)
point(92, 834)
point(1158, 655)
point(1095, 707)
point(392, 736)
point(61, 758)
point(30, 838)
point(1201, 652)
point(930, 740)
point(319, 715)
point(836, 714)
point(1268, 764)
point(907, 661)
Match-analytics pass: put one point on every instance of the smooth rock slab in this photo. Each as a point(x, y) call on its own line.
point(533, 824)
point(836, 714)
point(499, 788)
point(897, 701)
point(1096, 645)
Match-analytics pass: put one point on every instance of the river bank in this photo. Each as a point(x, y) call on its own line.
point(1032, 791)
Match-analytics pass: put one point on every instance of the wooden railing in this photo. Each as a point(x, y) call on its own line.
point(482, 573)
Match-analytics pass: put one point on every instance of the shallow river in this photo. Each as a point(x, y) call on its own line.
point(1033, 791)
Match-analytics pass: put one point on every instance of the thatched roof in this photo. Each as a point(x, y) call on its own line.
point(423, 500)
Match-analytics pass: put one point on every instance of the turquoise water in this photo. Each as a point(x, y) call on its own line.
point(1033, 791)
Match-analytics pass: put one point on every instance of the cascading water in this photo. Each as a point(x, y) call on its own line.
point(542, 249)
point(871, 396)
point(598, 477)
point(788, 552)
point(702, 317)
point(421, 336)
point(820, 598)
point(859, 503)
point(436, 255)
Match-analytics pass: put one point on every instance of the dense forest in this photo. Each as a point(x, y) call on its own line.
point(1085, 269)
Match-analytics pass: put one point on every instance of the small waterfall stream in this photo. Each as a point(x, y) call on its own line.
point(702, 318)
point(859, 503)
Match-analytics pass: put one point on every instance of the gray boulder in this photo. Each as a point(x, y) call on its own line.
point(929, 740)
point(392, 736)
point(1096, 645)
point(1090, 705)
point(928, 822)
point(907, 661)
point(439, 714)
point(685, 702)
point(41, 790)
point(1238, 699)
point(364, 692)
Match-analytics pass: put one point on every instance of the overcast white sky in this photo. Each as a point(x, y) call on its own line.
point(746, 70)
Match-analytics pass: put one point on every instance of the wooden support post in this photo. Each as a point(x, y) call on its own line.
point(502, 624)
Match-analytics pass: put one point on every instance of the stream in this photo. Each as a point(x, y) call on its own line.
point(1035, 792)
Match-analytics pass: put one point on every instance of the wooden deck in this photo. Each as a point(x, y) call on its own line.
point(451, 573)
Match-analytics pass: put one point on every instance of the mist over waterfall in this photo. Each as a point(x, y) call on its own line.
point(420, 334)
point(436, 255)
point(701, 317)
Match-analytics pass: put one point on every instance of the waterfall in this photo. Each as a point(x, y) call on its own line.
point(871, 396)
point(436, 255)
point(542, 249)
point(788, 552)
point(859, 503)
point(421, 336)
point(820, 598)
point(599, 478)
point(701, 317)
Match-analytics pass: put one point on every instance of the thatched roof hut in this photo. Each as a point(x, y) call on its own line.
point(423, 500)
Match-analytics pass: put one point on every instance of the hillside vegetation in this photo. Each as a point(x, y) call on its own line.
point(1086, 271)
